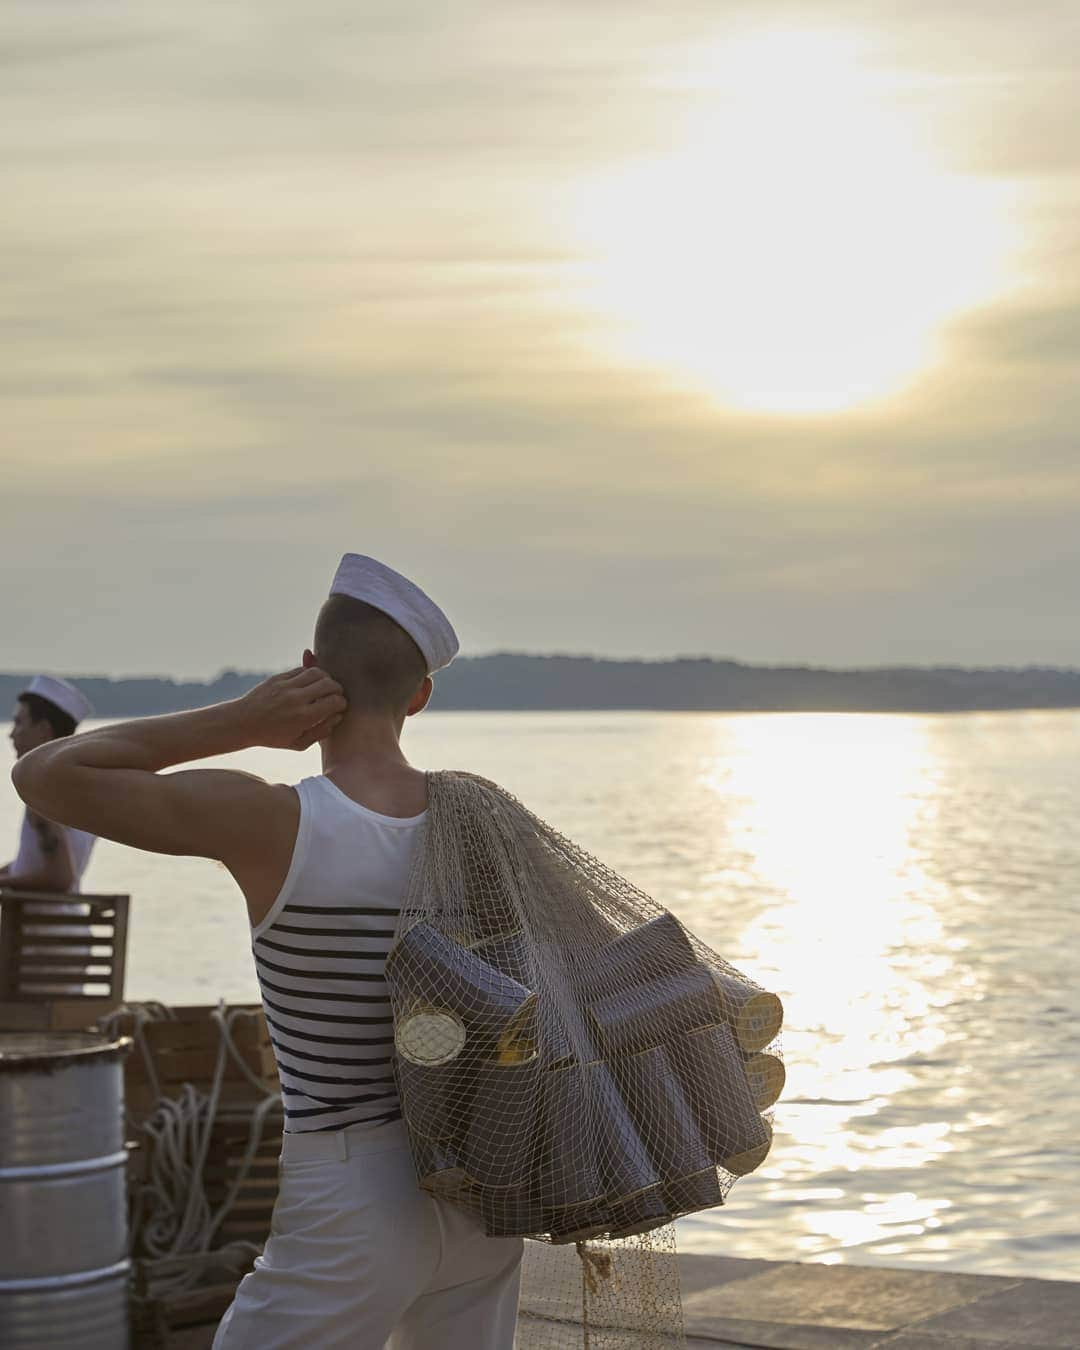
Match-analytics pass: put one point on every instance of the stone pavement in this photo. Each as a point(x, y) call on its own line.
point(779, 1305)
point(783, 1305)
point(732, 1304)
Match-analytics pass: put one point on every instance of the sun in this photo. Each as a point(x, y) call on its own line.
point(802, 249)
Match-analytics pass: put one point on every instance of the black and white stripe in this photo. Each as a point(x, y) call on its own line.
point(320, 968)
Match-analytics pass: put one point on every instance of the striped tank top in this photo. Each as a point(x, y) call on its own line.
point(320, 955)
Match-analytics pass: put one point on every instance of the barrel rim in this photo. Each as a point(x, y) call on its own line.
point(76, 1279)
point(96, 1046)
point(70, 1167)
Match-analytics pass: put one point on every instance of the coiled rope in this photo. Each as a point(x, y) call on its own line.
point(178, 1221)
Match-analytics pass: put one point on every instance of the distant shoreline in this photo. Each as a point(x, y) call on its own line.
point(513, 682)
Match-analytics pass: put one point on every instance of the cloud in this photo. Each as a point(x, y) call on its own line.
point(284, 280)
point(1024, 335)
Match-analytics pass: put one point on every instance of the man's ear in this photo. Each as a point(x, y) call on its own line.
point(309, 658)
point(420, 698)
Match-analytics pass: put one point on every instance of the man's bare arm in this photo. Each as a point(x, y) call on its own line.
point(109, 782)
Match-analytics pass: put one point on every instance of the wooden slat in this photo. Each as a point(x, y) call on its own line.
point(186, 1050)
point(265, 1159)
point(17, 898)
point(9, 949)
point(264, 1163)
point(63, 937)
point(229, 1137)
point(51, 962)
point(120, 940)
point(45, 990)
point(244, 1232)
point(140, 1099)
point(73, 939)
point(198, 1305)
point(41, 992)
point(230, 1151)
point(85, 953)
point(71, 1014)
point(38, 980)
point(246, 1209)
point(67, 911)
point(74, 1014)
point(254, 1187)
point(47, 973)
point(59, 907)
point(78, 979)
point(24, 1016)
point(33, 929)
point(262, 1171)
point(183, 1035)
point(190, 1066)
point(235, 1116)
point(233, 1142)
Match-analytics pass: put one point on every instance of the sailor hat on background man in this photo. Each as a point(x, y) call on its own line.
point(65, 696)
point(383, 588)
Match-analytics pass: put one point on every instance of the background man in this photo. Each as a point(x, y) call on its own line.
point(51, 857)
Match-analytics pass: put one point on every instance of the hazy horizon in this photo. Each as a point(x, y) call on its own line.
point(209, 677)
point(748, 328)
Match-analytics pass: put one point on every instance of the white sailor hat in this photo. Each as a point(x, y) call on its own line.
point(380, 586)
point(66, 697)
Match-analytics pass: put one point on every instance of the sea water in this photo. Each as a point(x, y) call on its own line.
point(909, 886)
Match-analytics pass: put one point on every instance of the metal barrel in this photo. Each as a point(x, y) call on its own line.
point(64, 1265)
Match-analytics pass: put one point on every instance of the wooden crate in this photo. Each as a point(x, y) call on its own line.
point(62, 1014)
point(185, 1050)
point(251, 1211)
point(185, 1321)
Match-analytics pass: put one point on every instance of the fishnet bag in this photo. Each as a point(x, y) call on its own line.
point(573, 1066)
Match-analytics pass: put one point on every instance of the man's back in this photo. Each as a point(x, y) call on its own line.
point(320, 954)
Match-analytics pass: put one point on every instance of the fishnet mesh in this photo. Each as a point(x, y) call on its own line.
point(574, 1067)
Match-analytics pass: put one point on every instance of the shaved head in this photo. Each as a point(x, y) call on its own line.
point(375, 661)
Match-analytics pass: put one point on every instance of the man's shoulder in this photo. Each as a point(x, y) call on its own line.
point(273, 797)
point(232, 794)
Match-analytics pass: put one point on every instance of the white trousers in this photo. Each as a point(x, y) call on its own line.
point(359, 1258)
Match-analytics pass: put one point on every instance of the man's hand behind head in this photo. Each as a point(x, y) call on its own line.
point(293, 710)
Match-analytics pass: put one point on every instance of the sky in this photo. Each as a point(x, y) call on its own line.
point(741, 330)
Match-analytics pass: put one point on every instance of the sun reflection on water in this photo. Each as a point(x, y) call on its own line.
point(826, 812)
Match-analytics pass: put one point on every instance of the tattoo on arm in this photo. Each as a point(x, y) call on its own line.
point(48, 836)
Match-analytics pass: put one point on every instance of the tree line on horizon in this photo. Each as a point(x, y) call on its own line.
point(517, 682)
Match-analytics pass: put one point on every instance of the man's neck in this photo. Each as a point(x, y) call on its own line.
point(371, 742)
point(363, 758)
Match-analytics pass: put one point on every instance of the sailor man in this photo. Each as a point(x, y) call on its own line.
point(51, 857)
point(359, 1257)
